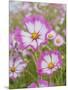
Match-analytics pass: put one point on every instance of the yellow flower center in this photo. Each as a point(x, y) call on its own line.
point(50, 36)
point(13, 69)
point(58, 40)
point(50, 65)
point(35, 35)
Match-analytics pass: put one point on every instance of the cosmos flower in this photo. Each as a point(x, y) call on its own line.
point(51, 35)
point(49, 62)
point(16, 66)
point(39, 83)
point(37, 28)
point(59, 40)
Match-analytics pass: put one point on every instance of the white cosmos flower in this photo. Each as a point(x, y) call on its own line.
point(51, 35)
point(49, 62)
point(37, 29)
point(59, 40)
point(16, 67)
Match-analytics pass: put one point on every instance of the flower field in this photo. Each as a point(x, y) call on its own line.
point(37, 44)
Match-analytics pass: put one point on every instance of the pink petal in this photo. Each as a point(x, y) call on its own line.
point(47, 71)
point(43, 83)
point(33, 85)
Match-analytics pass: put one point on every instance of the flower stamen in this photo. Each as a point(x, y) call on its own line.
point(58, 40)
point(50, 65)
point(50, 36)
point(35, 36)
point(13, 69)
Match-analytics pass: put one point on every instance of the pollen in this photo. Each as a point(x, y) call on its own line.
point(13, 69)
point(50, 65)
point(35, 36)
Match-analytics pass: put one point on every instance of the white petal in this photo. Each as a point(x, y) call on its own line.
point(44, 64)
point(38, 25)
point(27, 40)
point(21, 67)
point(34, 44)
point(54, 58)
point(30, 27)
point(19, 61)
point(43, 30)
point(47, 58)
point(25, 34)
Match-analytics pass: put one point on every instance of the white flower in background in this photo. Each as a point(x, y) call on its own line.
point(51, 35)
point(59, 40)
point(16, 66)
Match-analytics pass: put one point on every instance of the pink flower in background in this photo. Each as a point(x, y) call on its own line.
point(16, 66)
point(59, 40)
point(49, 62)
point(51, 35)
point(40, 83)
point(37, 28)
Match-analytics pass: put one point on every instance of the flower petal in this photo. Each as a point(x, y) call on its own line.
point(21, 67)
point(44, 64)
point(19, 61)
point(10, 74)
point(30, 27)
point(38, 25)
point(43, 30)
point(15, 75)
point(34, 44)
point(47, 58)
point(54, 58)
point(47, 71)
point(39, 41)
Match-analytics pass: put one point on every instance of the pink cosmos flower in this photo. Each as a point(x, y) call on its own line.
point(16, 66)
point(40, 83)
point(59, 40)
point(49, 62)
point(37, 29)
point(51, 35)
